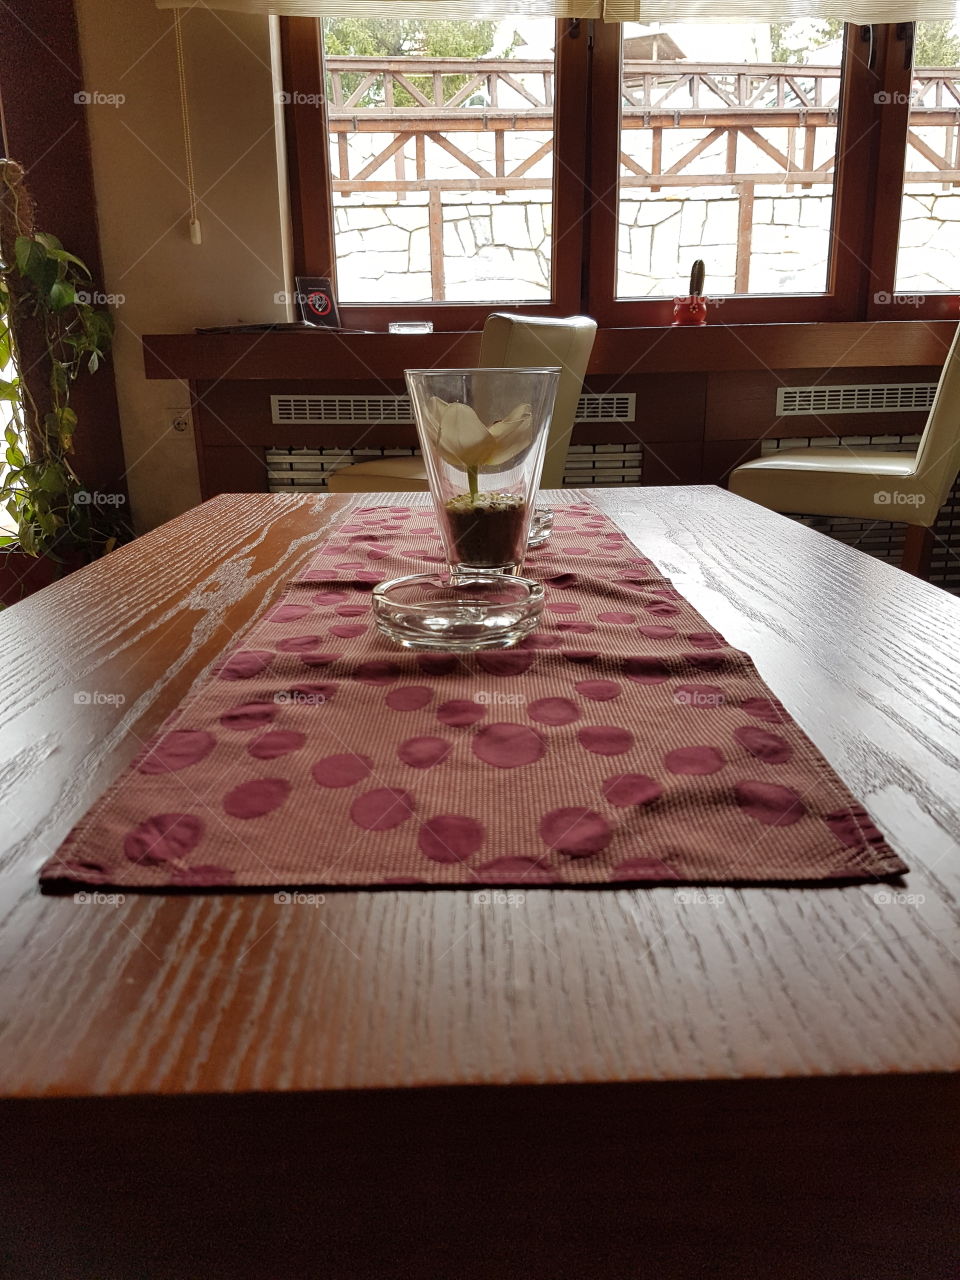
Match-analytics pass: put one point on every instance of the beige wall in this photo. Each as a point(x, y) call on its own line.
point(168, 284)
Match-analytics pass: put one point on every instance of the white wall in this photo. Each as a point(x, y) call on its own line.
point(168, 284)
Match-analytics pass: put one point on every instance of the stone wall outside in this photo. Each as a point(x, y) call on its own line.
point(497, 248)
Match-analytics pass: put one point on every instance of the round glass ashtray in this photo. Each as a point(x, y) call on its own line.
point(541, 527)
point(457, 611)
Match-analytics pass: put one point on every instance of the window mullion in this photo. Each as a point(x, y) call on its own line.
point(893, 116)
point(308, 162)
point(570, 151)
point(603, 171)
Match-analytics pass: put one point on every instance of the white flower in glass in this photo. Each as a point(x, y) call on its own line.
point(463, 440)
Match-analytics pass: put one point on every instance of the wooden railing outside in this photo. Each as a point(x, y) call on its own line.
point(415, 100)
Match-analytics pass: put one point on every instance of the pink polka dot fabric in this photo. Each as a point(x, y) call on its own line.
point(623, 742)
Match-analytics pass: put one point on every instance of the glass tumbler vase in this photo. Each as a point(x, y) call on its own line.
point(483, 433)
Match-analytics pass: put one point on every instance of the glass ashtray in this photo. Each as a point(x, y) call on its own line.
point(541, 527)
point(457, 611)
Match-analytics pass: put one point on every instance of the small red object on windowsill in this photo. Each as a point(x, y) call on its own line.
point(693, 308)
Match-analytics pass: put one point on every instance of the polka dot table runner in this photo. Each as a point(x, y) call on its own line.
point(624, 740)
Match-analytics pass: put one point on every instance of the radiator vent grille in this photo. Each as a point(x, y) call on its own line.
point(338, 411)
point(607, 407)
point(882, 397)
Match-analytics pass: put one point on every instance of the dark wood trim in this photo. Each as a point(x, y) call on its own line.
point(45, 129)
point(741, 405)
point(855, 185)
point(447, 317)
point(305, 126)
point(720, 457)
point(570, 148)
point(237, 468)
point(864, 232)
point(311, 198)
point(602, 176)
point(893, 116)
point(917, 551)
point(379, 357)
point(858, 181)
point(884, 302)
point(736, 1180)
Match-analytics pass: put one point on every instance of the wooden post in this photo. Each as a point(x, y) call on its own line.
point(400, 169)
point(791, 155)
point(732, 137)
point(744, 238)
point(809, 150)
point(435, 224)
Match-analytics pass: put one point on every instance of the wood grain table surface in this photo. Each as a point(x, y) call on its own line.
point(700, 997)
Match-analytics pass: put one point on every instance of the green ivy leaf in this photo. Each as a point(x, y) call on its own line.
point(61, 255)
point(53, 480)
point(29, 255)
point(62, 294)
point(32, 261)
point(27, 539)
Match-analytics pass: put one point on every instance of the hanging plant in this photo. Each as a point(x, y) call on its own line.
point(49, 335)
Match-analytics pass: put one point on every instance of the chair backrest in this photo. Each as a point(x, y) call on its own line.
point(514, 342)
point(938, 455)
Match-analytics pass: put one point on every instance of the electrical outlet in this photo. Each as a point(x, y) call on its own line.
point(180, 419)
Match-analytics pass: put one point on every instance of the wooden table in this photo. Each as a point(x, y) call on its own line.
point(206, 1086)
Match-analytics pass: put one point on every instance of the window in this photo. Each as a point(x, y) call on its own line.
point(447, 167)
point(441, 158)
point(727, 152)
point(928, 260)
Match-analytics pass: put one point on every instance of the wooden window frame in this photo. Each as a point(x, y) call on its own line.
point(845, 295)
point(896, 57)
point(312, 201)
point(865, 226)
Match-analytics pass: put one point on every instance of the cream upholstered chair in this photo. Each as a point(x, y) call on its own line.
point(508, 342)
point(906, 487)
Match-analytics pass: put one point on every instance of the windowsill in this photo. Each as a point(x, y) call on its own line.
point(331, 356)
